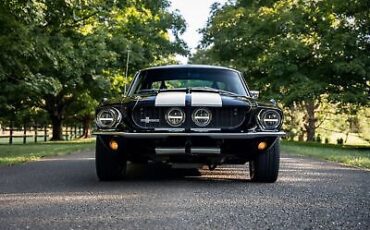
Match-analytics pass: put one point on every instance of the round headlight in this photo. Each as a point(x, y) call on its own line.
point(202, 117)
point(108, 118)
point(269, 119)
point(175, 117)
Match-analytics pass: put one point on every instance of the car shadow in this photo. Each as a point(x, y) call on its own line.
point(61, 175)
point(160, 172)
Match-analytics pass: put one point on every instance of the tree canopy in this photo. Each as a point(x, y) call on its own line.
point(55, 52)
point(60, 57)
point(296, 51)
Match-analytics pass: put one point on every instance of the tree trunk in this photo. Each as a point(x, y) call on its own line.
point(86, 123)
point(55, 105)
point(301, 134)
point(57, 123)
point(310, 125)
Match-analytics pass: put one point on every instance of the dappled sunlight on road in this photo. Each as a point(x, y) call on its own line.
point(59, 190)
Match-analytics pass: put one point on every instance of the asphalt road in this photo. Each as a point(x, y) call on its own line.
point(64, 193)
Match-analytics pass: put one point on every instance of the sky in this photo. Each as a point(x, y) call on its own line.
point(195, 13)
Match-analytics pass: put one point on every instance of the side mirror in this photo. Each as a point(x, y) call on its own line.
point(255, 94)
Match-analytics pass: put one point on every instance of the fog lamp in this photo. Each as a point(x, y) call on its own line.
point(262, 146)
point(113, 145)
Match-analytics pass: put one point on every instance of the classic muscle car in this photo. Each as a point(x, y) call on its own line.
point(188, 114)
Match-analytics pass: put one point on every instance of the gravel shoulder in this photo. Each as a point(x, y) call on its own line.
point(64, 193)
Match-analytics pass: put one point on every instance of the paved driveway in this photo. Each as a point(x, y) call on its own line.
point(64, 193)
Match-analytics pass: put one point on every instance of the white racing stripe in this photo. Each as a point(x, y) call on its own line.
point(170, 99)
point(206, 99)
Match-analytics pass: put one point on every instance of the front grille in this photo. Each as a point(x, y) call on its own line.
point(154, 117)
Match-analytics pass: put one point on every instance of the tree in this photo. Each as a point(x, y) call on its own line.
point(73, 49)
point(295, 51)
point(83, 110)
point(203, 57)
point(16, 59)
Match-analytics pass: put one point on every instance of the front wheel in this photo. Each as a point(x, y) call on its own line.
point(110, 165)
point(265, 166)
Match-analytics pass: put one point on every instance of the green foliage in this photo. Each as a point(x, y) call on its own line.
point(83, 106)
point(351, 156)
point(295, 51)
point(203, 57)
point(20, 153)
point(58, 53)
point(349, 123)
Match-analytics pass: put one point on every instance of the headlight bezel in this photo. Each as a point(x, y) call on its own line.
point(116, 117)
point(196, 120)
point(262, 117)
point(167, 116)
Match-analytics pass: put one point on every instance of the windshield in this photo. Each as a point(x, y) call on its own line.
point(153, 80)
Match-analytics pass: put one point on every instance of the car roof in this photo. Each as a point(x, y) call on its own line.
point(190, 66)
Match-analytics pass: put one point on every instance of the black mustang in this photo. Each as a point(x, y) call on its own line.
point(188, 114)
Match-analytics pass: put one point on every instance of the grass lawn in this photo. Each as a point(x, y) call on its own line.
point(356, 156)
point(20, 153)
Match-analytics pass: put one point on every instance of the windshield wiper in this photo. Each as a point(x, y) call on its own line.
point(147, 91)
point(209, 89)
point(198, 89)
point(156, 91)
point(170, 90)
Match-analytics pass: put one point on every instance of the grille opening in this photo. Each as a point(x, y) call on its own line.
point(154, 117)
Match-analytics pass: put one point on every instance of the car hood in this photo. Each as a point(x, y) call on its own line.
point(182, 99)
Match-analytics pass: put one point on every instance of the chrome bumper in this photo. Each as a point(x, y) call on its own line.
point(210, 135)
point(193, 150)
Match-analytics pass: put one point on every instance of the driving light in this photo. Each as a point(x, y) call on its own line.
point(269, 119)
point(175, 117)
point(202, 117)
point(108, 118)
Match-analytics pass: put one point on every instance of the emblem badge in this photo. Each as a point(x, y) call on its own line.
point(148, 120)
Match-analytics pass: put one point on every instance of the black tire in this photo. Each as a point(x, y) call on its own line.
point(265, 166)
point(110, 165)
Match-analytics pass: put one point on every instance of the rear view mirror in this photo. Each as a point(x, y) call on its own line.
point(255, 94)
